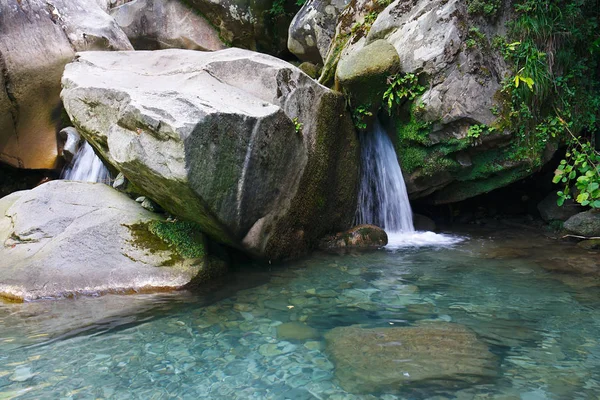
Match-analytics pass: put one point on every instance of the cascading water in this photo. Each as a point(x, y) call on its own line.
point(86, 167)
point(382, 197)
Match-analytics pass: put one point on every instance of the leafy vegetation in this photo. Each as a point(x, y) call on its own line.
point(401, 88)
point(360, 114)
point(297, 125)
point(486, 8)
point(554, 96)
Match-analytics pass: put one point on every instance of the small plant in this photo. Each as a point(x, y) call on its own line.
point(486, 8)
point(359, 114)
point(475, 131)
point(297, 125)
point(401, 88)
point(475, 38)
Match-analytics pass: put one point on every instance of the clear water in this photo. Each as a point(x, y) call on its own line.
point(221, 342)
point(86, 167)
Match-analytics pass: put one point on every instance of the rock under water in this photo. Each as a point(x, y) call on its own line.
point(429, 353)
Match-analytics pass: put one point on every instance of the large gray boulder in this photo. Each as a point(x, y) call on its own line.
point(37, 39)
point(65, 238)
point(584, 224)
point(165, 24)
point(246, 145)
point(461, 76)
point(313, 28)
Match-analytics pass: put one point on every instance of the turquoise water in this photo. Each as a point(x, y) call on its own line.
point(542, 327)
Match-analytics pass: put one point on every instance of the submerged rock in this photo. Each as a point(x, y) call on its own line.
point(37, 39)
point(65, 238)
point(296, 331)
point(584, 224)
point(359, 237)
point(267, 164)
point(429, 353)
point(165, 24)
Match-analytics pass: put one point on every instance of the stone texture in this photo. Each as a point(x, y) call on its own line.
point(462, 82)
point(249, 24)
point(364, 73)
point(551, 211)
point(359, 237)
point(37, 39)
point(387, 359)
point(64, 239)
point(165, 24)
point(313, 28)
point(584, 224)
point(192, 132)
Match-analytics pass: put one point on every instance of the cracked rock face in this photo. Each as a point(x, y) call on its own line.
point(208, 144)
point(37, 39)
point(313, 28)
point(165, 24)
point(65, 238)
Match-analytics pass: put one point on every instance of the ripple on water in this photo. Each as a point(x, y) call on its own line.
point(267, 339)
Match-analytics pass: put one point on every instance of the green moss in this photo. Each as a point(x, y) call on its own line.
point(412, 158)
point(184, 237)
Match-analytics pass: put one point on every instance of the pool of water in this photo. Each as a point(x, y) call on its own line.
point(514, 291)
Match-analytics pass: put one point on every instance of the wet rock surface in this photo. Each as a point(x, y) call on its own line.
point(359, 237)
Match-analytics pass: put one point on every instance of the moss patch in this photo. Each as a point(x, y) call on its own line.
point(183, 239)
point(182, 236)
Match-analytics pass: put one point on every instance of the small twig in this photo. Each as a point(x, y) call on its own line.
point(581, 237)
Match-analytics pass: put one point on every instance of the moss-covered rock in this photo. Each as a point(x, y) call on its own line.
point(267, 165)
point(65, 239)
point(364, 74)
point(359, 237)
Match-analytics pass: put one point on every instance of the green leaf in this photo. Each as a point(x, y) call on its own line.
point(560, 201)
point(596, 204)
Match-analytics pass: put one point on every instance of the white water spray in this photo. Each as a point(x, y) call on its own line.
point(382, 197)
point(86, 167)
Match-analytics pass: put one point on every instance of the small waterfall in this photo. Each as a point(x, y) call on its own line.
point(86, 167)
point(382, 197)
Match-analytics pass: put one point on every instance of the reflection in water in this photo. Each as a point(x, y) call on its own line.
point(247, 339)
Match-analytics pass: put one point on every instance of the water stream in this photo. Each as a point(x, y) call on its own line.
point(86, 167)
point(383, 199)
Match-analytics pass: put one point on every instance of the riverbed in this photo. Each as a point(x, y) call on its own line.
point(530, 303)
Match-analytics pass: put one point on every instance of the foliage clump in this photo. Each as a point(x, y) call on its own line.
point(554, 94)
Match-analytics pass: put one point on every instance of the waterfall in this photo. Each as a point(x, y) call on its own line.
point(382, 197)
point(86, 167)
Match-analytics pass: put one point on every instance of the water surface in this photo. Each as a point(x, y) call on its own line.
point(543, 326)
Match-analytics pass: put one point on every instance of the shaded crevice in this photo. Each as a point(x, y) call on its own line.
point(14, 110)
point(56, 18)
